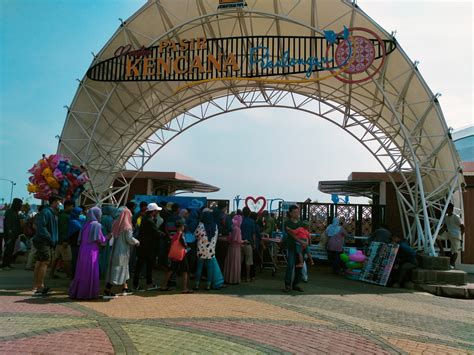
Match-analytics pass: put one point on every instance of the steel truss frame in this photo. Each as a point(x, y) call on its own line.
point(158, 114)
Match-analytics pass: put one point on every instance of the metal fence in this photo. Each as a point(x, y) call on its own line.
point(357, 219)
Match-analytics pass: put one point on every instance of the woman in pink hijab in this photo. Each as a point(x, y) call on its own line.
point(117, 272)
point(232, 267)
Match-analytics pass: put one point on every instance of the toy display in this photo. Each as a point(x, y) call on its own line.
point(354, 262)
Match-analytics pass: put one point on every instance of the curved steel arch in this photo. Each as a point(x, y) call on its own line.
point(394, 115)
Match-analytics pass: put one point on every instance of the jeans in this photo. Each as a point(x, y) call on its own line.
point(200, 265)
point(304, 272)
point(292, 259)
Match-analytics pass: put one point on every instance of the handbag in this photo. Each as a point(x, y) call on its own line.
point(177, 250)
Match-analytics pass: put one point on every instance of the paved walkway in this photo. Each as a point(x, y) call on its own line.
point(332, 316)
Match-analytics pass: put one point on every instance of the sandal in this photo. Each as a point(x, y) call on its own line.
point(187, 292)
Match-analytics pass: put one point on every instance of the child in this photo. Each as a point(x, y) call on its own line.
point(178, 265)
point(302, 246)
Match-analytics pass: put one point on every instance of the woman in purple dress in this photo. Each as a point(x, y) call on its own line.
point(85, 285)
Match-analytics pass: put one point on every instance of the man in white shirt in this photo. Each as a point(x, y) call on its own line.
point(453, 230)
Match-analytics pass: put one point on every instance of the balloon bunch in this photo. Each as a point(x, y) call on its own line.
point(55, 175)
point(354, 263)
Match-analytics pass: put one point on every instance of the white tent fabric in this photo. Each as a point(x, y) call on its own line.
point(113, 125)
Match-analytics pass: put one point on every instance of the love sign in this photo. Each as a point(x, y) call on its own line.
point(256, 204)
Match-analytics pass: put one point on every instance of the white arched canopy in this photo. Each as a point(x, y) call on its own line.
point(126, 109)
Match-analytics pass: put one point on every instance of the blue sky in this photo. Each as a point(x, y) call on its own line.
point(45, 45)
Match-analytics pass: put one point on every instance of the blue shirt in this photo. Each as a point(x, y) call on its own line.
point(47, 227)
point(171, 224)
point(406, 253)
point(248, 229)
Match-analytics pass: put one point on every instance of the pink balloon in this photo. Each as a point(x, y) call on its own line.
point(358, 257)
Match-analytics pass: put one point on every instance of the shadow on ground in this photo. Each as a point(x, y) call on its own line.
point(321, 282)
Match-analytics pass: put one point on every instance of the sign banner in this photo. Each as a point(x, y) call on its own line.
point(183, 201)
point(205, 59)
point(379, 264)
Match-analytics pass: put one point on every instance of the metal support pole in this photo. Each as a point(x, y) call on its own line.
point(427, 234)
point(11, 190)
point(443, 213)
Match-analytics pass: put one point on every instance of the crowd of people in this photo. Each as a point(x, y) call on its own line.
point(128, 243)
point(123, 245)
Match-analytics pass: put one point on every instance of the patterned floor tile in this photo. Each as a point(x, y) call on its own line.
point(195, 306)
point(28, 304)
point(292, 338)
point(415, 347)
point(81, 341)
point(17, 325)
point(150, 340)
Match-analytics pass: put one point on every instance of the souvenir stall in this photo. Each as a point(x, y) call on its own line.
point(370, 263)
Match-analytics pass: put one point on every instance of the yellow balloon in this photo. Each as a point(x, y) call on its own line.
point(52, 182)
point(47, 173)
point(32, 188)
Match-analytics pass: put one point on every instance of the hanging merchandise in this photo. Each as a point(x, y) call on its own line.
point(55, 175)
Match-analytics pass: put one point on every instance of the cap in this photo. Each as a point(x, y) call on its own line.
point(153, 207)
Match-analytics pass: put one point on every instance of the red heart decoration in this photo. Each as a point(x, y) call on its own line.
point(255, 203)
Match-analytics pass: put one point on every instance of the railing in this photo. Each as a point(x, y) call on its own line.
point(357, 219)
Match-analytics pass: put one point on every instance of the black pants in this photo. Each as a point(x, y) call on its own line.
point(147, 260)
point(257, 263)
point(1, 245)
point(8, 254)
point(192, 257)
point(74, 254)
point(334, 257)
point(221, 252)
point(403, 273)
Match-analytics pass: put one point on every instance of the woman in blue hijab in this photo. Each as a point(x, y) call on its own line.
point(336, 233)
point(74, 227)
point(191, 224)
point(106, 221)
point(206, 234)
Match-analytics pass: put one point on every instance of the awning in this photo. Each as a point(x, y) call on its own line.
point(365, 188)
point(172, 181)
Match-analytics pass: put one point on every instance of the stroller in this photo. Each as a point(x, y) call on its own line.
point(272, 253)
